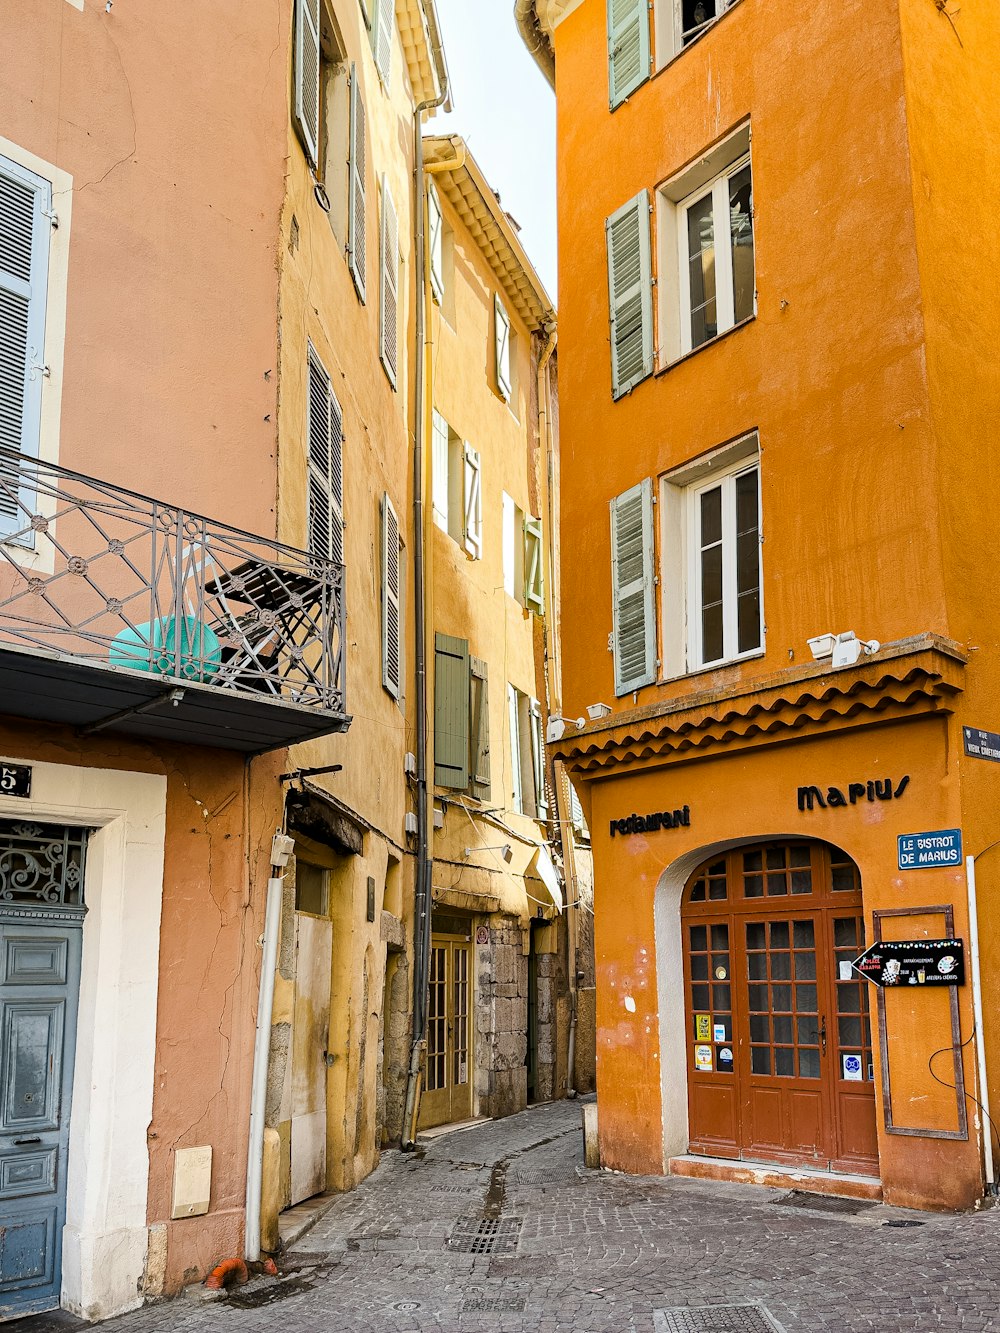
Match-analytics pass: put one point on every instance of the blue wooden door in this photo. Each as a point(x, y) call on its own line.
point(39, 990)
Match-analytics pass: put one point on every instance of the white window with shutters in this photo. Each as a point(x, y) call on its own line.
point(357, 239)
point(678, 23)
point(632, 589)
point(383, 23)
point(512, 537)
point(389, 286)
point(711, 538)
point(527, 787)
point(392, 627)
point(325, 466)
point(435, 242)
point(307, 76)
point(628, 48)
point(502, 349)
point(630, 294)
point(25, 238)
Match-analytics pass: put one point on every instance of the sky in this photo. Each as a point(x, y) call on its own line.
point(505, 111)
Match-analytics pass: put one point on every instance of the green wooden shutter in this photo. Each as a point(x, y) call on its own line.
point(357, 245)
point(451, 712)
point(389, 295)
point(538, 761)
point(25, 210)
point(634, 638)
point(435, 242)
point(630, 292)
point(628, 47)
point(391, 630)
point(501, 327)
point(480, 731)
point(307, 75)
point(534, 588)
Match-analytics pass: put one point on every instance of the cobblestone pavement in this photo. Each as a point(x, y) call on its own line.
point(598, 1252)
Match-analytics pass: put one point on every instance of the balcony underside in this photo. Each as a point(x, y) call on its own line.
point(98, 698)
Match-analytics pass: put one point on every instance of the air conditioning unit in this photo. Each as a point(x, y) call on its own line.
point(410, 764)
point(410, 824)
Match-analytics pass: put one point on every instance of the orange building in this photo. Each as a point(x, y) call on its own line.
point(777, 348)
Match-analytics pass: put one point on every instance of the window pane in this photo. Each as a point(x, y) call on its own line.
point(755, 935)
point(711, 516)
point(698, 937)
point(741, 232)
point(701, 265)
point(696, 14)
point(699, 967)
point(722, 1001)
point(783, 1028)
point(753, 886)
point(760, 1059)
point(804, 935)
point(784, 1062)
point(809, 1064)
point(720, 937)
point(779, 935)
point(759, 1024)
point(711, 633)
point(781, 966)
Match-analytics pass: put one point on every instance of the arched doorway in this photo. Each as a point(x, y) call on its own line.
point(779, 1034)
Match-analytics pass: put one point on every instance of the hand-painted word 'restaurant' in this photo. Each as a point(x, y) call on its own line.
point(879, 790)
point(652, 823)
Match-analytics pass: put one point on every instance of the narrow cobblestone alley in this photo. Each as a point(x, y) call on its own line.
point(501, 1227)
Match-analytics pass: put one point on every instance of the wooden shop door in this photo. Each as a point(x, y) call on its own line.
point(447, 1092)
point(780, 1065)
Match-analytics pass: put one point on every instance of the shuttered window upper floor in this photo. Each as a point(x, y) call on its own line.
point(644, 36)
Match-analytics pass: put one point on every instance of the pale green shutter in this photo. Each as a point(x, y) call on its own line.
point(501, 327)
point(357, 247)
point(435, 242)
point(630, 294)
point(389, 302)
point(472, 496)
point(634, 609)
point(538, 761)
point(451, 712)
point(25, 211)
point(628, 47)
point(480, 728)
point(382, 27)
point(534, 589)
point(391, 629)
point(307, 75)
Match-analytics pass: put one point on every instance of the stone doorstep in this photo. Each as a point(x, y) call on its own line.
point(773, 1176)
point(439, 1130)
point(294, 1222)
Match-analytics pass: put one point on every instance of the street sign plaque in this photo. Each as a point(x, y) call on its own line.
point(925, 851)
point(913, 963)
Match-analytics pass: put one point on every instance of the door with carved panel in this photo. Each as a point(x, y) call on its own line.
point(447, 1094)
point(780, 1048)
point(41, 932)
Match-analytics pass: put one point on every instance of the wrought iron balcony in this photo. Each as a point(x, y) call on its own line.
point(120, 612)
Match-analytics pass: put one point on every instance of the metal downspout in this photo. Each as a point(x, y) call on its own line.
point(422, 886)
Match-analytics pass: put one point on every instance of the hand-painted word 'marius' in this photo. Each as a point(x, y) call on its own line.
point(652, 823)
point(879, 790)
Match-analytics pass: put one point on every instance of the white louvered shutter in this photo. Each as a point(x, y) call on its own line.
point(501, 325)
point(365, 14)
point(538, 760)
point(357, 247)
point(325, 465)
point(472, 496)
point(389, 295)
point(25, 200)
point(382, 27)
point(517, 780)
point(534, 586)
point(634, 610)
point(391, 627)
point(630, 291)
point(439, 470)
point(628, 47)
point(307, 75)
point(435, 242)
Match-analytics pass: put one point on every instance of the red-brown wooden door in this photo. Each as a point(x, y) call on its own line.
point(780, 1065)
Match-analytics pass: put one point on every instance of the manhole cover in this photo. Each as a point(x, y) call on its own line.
point(453, 1189)
point(826, 1203)
point(405, 1306)
point(902, 1222)
point(497, 1235)
point(474, 1304)
point(716, 1319)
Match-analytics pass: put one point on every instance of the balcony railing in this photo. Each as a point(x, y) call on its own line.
point(92, 573)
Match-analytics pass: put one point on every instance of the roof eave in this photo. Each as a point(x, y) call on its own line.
point(536, 38)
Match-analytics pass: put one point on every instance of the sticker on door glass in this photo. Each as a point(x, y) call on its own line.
point(703, 1027)
point(724, 1059)
point(718, 1032)
point(852, 1068)
point(846, 972)
point(703, 1059)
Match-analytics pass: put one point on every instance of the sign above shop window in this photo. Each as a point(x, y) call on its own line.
point(877, 789)
point(981, 744)
point(924, 851)
point(652, 823)
point(15, 779)
point(913, 963)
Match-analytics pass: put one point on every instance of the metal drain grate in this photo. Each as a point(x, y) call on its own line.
point(716, 1319)
point(826, 1203)
point(454, 1189)
point(497, 1235)
point(506, 1304)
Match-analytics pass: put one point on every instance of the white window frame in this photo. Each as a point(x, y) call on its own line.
point(680, 564)
point(512, 545)
point(674, 199)
point(668, 29)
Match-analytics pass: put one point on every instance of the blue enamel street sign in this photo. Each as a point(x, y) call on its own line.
point(981, 744)
point(922, 851)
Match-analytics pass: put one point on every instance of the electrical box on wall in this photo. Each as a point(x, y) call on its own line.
point(410, 824)
point(192, 1182)
point(410, 764)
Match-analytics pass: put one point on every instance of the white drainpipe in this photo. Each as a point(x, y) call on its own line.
point(977, 1018)
point(281, 849)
